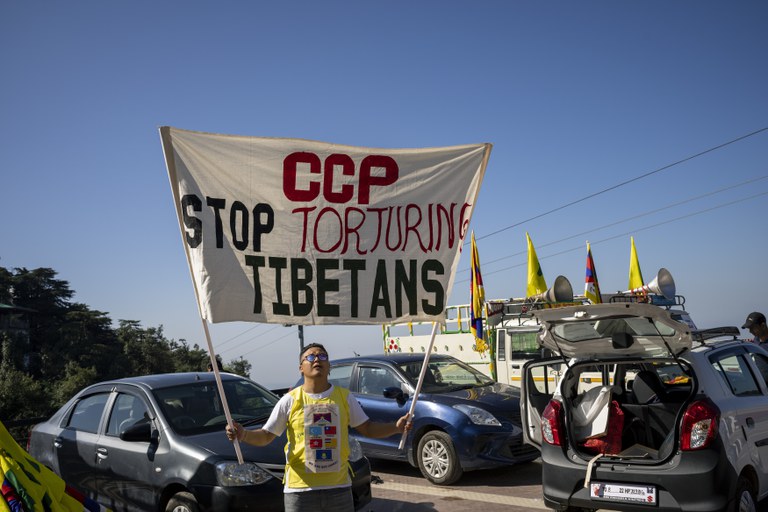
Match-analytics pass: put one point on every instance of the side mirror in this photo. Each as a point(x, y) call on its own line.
point(138, 433)
point(396, 393)
point(622, 340)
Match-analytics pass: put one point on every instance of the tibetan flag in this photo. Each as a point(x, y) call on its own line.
point(536, 283)
point(323, 417)
point(591, 287)
point(476, 295)
point(27, 483)
point(635, 276)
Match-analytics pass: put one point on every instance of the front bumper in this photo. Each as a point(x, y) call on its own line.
point(690, 481)
point(494, 449)
point(268, 497)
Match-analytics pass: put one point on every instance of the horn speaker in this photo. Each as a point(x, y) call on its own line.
point(662, 284)
point(561, 291)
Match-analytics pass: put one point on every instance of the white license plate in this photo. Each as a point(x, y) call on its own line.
point(645, 494)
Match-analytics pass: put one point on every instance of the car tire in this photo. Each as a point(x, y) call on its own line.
point(182, 502)
point(437, 458)
point(744, 501)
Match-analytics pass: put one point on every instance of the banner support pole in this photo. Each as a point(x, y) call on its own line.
point(424, 368)
point(220, 385)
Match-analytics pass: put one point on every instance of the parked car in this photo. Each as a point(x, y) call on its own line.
point(463, 420)
point(157, 443)
point(676, 420)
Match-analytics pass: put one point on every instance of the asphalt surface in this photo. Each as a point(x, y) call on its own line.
point(398, 487)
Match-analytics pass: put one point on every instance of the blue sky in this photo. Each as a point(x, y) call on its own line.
point(576, 97)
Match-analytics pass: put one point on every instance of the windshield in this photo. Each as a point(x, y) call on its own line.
point(574, 331)
point(195, 407)
point(445, 375)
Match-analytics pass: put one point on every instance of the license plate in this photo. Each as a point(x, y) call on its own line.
point(645, 494)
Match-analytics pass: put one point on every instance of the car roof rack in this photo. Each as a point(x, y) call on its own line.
point(651, 298)
point(703, 335)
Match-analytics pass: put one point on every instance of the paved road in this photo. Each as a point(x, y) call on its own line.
point(403, 489)
point(512, 489)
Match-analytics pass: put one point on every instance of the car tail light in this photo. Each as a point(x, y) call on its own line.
point(552, 427)
point(699, 425)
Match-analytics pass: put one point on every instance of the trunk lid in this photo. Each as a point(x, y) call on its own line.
point(612, 330)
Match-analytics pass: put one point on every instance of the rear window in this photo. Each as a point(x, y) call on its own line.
point(607, 327)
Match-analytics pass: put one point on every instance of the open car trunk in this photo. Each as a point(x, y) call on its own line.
point(629, 408)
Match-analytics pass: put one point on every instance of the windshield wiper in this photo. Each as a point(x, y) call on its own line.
point(253, 421)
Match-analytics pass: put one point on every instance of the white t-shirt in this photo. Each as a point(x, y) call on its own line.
point(278, 420)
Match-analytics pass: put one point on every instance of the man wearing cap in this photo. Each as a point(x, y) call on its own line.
point(757, 327)
point(316, 417)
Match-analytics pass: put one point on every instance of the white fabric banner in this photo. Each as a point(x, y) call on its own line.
point(304, 232)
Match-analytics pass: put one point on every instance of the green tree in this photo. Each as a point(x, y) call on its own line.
point(147, 350)
point(186, 359)
point(75, 378)
point(240, 367)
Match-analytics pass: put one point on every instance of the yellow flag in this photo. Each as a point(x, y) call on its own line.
point(36, 486)
point(635, 276)
point(536, 283)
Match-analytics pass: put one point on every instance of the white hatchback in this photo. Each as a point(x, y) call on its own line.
point(646, 413)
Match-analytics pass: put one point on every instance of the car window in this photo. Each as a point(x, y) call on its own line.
point(127, 411)
point(761, 362)
point(340, 375)
point(86, 415)
point(372, 380)
point(734, 369)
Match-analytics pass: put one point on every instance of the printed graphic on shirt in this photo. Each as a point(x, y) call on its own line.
point(321, 426)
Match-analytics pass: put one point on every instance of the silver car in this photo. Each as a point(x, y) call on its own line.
point(639, 412)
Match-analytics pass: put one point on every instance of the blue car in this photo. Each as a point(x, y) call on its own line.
point(463, 420)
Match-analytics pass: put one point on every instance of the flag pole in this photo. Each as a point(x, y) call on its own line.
point(170, 163)
point(424, 368)
point(220, 385)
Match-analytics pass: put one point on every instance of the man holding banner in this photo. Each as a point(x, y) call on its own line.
point(302, 232)
point(317, 416)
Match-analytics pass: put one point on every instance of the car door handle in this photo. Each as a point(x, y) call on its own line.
point(57, 443)
point(750, 422)
point(101, 453)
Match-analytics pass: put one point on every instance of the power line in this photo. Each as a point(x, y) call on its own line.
point(627, 219)
point(270, 343)
point(631, 180)
point(668, 221)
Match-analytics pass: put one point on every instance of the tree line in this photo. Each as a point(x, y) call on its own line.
point(68, 346)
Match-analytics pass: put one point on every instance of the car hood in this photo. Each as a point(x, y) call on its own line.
point(491, 397)
point(612, 330)
point(216, 443)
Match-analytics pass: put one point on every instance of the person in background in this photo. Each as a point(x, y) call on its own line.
point(755, 323)
point(218, 363)
point(317, 416)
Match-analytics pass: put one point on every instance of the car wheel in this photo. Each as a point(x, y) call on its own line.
point(182, 502)
point(744, 501)
point(437, 458)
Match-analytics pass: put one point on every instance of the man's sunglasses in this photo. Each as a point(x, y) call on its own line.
point(312, 357)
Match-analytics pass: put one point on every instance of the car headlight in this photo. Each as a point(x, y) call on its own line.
point(355, 450)
point(234, 474)
point(478, 416)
